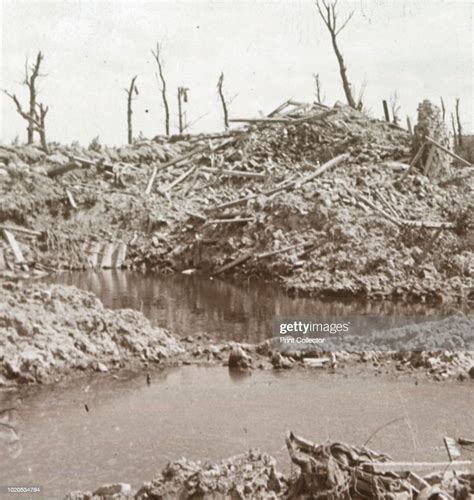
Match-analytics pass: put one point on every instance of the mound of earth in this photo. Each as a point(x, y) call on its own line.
point(49, 331)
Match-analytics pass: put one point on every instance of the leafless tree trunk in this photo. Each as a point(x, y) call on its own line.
point(182, 97)
point(130, 91)
point(36, 122)
point(327, 11)
point(453, 125)
point(30, 82)
point(458, 120)
point(443, 109)
point(157, 56)
point(42, 112)
point(395, 107)
point(220, 90)
point(319, 91)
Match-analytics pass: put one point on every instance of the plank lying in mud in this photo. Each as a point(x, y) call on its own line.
point(422, 467)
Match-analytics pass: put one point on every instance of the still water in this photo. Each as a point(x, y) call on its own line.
point(132, 430)
point(190, 305)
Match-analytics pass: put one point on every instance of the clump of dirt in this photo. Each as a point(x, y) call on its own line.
point(47, 332)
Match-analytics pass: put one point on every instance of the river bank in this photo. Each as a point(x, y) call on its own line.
point(53, 331)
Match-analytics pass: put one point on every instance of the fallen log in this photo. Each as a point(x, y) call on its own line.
point(237, 262)
point(178, 180)
point(63, 169)
point(280, 108)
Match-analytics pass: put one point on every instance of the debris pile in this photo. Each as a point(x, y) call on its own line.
point(49, 331)
point(321, 200)
point(328, 471)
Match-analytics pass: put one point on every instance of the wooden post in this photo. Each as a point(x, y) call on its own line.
point(410, 128)
point(386, 112)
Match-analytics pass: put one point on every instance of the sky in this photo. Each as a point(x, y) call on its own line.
point(268, 51)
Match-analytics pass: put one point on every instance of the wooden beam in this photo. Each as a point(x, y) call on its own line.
point(447, 151)
point(423, 467)
point(23, 230)
point(18, 254)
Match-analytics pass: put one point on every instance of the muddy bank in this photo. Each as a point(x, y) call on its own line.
point(253, 202)
point(47, 332)
point(330, 471)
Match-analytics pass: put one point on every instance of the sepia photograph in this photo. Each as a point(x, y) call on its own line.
point(236, 249)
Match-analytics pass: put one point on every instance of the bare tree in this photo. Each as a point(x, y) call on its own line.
point(220, 91)
point(42, 112)
point(157, 56)
point(36, 115)
point(395, 107)
point(443, 109)
point(453, 125)
point(328, 12)
point(133, 89)
point(182, 97)
point(458, 120)
point(319, 89)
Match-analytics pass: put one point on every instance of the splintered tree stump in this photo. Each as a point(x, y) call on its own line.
point(434, 163)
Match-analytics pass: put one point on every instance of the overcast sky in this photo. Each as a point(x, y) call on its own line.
point(268, 52)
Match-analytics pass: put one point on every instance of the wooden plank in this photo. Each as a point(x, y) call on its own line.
point(233, 173)
point(280, 108)
point(447, 151)
point(120, 255)
point(288, 186)
point(183, 158)
point(236, 262)
point(3, 264)
point(23, 230)
point(71, 199)
point(18, 254)
point(106, 261)
point(228, 221)
point(94, 252)
point(318, 116)
point(420, 467)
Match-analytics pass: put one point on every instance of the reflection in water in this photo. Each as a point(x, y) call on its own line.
point(189, 305)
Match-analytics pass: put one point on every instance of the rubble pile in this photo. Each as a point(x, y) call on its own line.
point(323, 202)
point(47, 332)
point(328, 471)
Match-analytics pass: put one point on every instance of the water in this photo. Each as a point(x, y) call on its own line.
point(190, 305)
point(132, 430)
